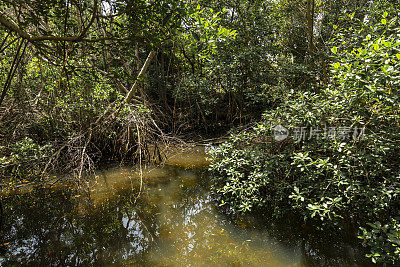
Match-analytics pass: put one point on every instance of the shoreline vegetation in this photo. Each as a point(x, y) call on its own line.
point(296, 102)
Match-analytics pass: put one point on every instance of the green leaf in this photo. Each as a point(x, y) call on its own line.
point(384, 21)
point(388, 44)
point(385, 14)
point(334, 49)
point(336, 65)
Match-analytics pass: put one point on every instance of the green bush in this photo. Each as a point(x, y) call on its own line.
point(345, 173)
point(22, 158)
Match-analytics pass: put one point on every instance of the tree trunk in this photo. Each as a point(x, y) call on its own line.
point(310, 26)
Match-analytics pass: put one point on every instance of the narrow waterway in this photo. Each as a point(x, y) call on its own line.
point(173, 221)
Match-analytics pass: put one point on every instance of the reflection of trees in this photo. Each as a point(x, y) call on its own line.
point(54, 228)
point(173, 223)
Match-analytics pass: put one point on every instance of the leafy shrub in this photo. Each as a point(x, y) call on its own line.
point(345, 173)
point(22, 157)
point(384, 241)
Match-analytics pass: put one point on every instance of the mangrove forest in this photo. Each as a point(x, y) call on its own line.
point(199, 133)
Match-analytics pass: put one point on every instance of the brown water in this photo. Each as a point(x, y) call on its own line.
point(173, 221)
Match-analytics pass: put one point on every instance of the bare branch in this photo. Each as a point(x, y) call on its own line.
point(142, 71)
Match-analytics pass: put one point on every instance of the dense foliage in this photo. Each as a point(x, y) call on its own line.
point(340, 163)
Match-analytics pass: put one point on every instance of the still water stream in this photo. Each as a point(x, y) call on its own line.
point(173, 221)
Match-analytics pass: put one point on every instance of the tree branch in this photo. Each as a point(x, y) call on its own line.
point(15, 28)
point(16, 61)
point(142, 71)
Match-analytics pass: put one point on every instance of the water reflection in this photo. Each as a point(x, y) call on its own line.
point(174, 222)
